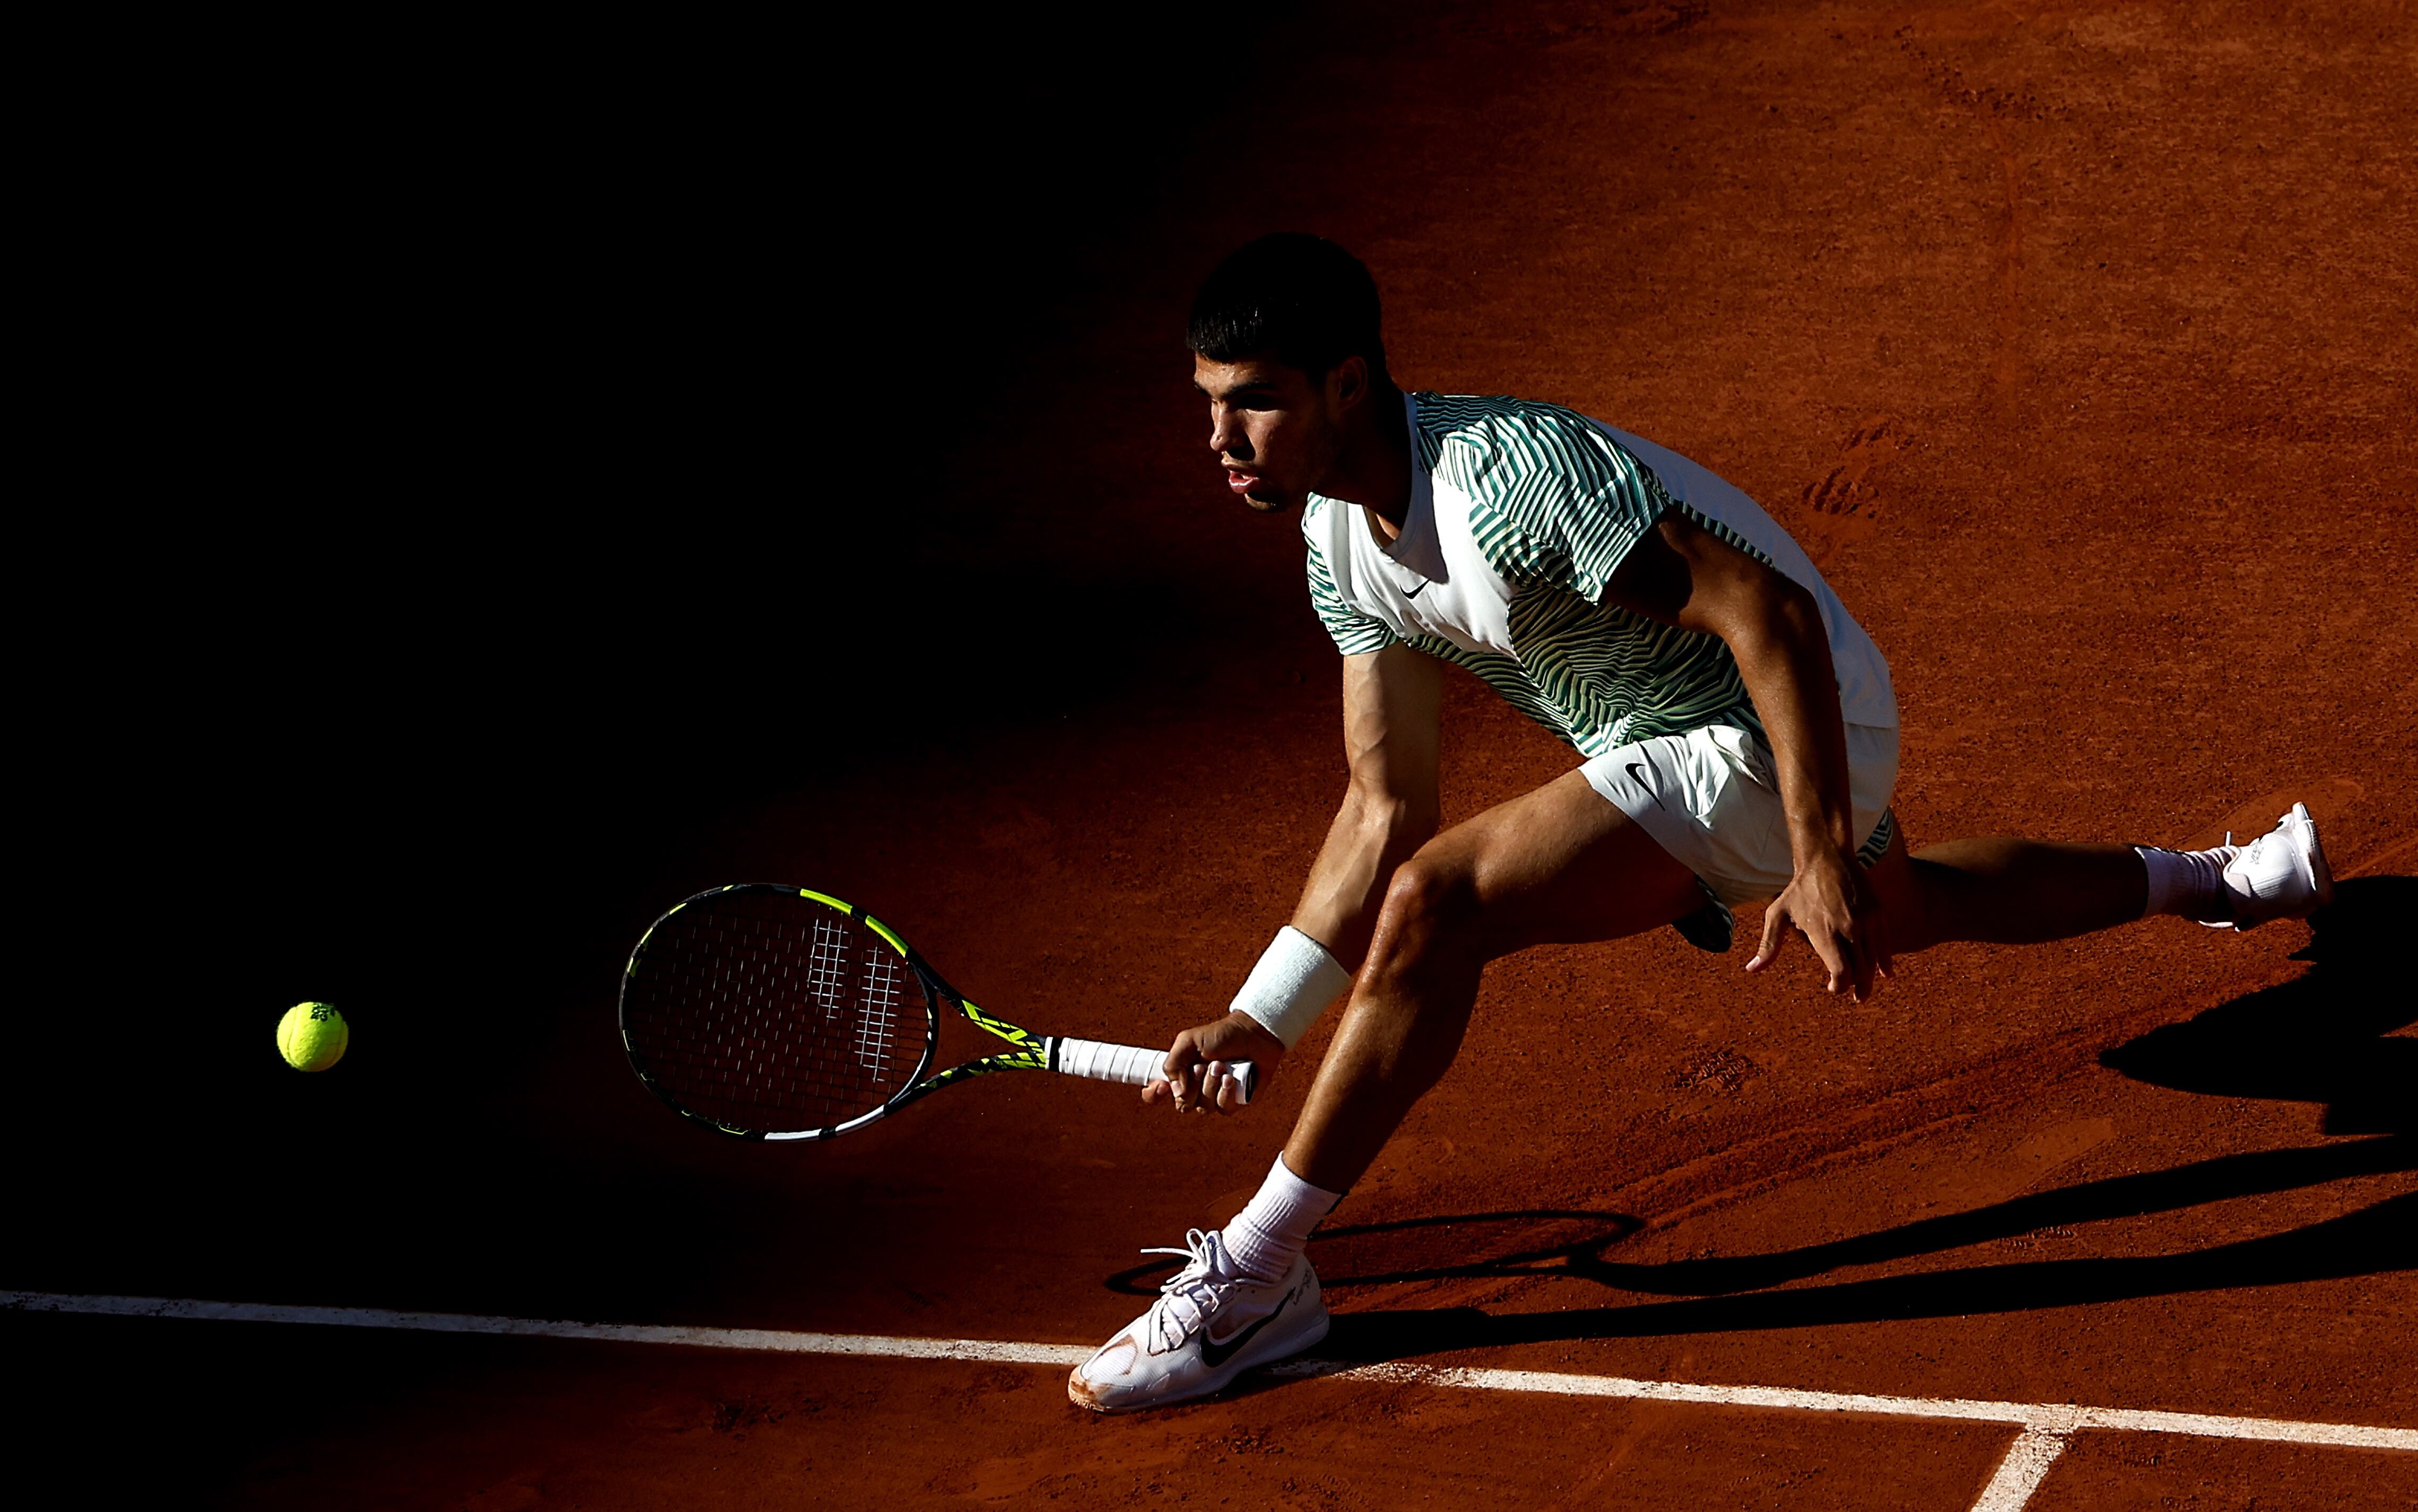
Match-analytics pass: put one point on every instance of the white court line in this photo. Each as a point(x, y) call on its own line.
point(2027, 1462)
point(2044, 1417)
point(2045, 1425)
point(762, 1340)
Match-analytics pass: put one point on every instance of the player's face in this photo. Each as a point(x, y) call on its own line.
point(1276, 431)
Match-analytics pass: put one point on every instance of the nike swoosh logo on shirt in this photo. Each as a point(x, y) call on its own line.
point(1214, 1354)
point(1413, 593)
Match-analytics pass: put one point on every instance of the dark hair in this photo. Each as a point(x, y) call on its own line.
point(1303, 296)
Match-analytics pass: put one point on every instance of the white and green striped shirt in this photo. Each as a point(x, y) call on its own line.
point(1520, 513)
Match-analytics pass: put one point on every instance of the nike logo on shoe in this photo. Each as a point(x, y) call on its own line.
point(1214, 1354)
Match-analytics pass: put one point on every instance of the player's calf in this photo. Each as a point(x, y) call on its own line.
point(2009, 890)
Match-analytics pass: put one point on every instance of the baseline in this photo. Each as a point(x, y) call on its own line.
point(2046, 1427)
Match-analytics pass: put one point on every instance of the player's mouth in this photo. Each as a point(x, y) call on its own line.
point(1241, 481)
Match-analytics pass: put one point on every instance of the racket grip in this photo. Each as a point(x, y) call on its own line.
point(1130, 1063)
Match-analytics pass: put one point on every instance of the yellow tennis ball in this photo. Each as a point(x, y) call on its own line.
point(312, 1036)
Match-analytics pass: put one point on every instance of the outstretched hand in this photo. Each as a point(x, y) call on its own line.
point(1198, 1080)
point(1832, 903)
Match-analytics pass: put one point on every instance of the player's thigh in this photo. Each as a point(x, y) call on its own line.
point(1559, 864)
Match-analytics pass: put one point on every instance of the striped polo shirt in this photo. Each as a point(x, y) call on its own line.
point(1520, 513)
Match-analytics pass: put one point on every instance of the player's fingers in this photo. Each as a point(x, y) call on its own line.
point(1858, 939)
point(1775, 929)
point(1181, 1068)
point(1834, 957)
point(1872, 930)
point(1203, 1087)
point(1218, 1087)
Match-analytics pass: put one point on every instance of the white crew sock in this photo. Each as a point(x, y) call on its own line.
point(2188, 882)
point(1265, 1237)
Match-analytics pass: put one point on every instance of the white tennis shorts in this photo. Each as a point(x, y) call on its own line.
point(1711, 797)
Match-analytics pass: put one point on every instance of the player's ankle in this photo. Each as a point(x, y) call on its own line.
point(2189, 884)
point(1269, 1235)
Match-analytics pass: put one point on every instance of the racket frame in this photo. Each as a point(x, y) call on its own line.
point(1030, 1052)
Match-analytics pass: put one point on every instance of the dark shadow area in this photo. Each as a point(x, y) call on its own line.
point(2322, 1037)
point(2382, 1237)
point(1571, 1243)
point(2115, 1196)
point(539, 444)
point(1525, 1242)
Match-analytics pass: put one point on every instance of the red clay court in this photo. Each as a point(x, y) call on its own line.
point(2074, 342)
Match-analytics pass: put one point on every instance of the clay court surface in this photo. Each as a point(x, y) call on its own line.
point(2073, 341)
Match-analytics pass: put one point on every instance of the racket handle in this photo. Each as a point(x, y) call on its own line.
point(1130, 1063)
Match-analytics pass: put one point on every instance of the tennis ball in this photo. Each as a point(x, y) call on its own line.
point(312, 1036)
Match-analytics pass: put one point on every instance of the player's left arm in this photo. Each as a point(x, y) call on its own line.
point(1682, 574)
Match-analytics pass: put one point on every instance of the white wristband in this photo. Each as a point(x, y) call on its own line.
point(1292, 986)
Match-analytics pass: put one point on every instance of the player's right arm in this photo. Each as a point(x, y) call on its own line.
point(1393, 732)
point(1393, 724)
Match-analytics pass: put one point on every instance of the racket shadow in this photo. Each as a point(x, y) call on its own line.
point(2369, 1241)
point(1527, 1241)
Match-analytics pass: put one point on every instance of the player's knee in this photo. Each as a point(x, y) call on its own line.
point(1428, 904)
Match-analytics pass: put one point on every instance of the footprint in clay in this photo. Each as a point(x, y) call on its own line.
point(1841, 507)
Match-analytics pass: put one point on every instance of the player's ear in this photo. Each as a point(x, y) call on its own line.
point(1347, 382)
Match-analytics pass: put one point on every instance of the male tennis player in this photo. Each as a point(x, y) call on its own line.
point(1740, 741)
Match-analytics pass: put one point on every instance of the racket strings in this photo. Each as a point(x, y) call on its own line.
point(876, 1028)
point(827, 968)
point(761, 1015)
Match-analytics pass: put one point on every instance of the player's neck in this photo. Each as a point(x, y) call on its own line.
point(1374, 468)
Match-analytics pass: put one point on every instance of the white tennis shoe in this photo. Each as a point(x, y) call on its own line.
point(1210, 1324)
point(2281, 875)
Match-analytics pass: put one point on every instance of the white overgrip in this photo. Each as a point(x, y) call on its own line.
point(1131, 1064)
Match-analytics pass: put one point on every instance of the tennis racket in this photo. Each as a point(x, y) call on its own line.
point(780, 1013)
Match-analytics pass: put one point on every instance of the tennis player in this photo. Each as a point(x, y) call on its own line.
point(1737, 737)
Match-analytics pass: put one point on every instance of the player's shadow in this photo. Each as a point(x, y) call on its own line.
point(2115, 1197)
point(2376, 1238)
point(1528, 1241)
point(2322, 1037)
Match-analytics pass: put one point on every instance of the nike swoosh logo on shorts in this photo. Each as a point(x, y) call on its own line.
point(1214, 1354)
point(1637, 776)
